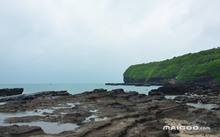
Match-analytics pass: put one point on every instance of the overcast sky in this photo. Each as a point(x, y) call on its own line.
point(95, 41)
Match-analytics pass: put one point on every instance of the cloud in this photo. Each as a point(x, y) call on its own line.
point(95, 41)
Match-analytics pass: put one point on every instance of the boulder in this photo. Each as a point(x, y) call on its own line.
point(99, 90)
point(155, 92)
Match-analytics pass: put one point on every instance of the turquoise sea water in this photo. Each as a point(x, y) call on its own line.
point(74, 88)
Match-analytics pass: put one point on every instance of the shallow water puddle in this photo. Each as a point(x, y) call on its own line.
point(94, 110)
point(189, 96)
point(170, 96)
point(48, 127)
point(2, 103)
point(200, 105)
point(51, 127)
point(69, 105)
point(38, 112)
point(94, 118)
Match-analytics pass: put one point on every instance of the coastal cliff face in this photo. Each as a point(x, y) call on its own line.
point(203, 66)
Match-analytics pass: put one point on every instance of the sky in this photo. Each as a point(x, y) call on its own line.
point(95, 41)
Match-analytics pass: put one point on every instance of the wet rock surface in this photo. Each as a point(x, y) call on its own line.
point(10, 92)
point(210, 89)
point(20, 131)
point(102, 113)
point(205, 95)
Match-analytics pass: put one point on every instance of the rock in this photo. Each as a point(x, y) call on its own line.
point(174, 131)
point(112, 113)
point(99, 90)
point(217, 109)
point(117, 91)
point(155, 93)
point(185, 99)
point(117, 105)
point(142, 84)
point(139, 98)
point(75, 117)
point(152, 128)
point(211, 89)
point(20, 131)
point(34, 96)
point(172, 89)
point(198, 99)
point(23, 119)
point(10, 92)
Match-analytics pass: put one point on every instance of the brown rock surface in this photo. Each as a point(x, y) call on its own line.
point(102, 113)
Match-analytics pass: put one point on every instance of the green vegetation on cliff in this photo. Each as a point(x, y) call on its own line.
point(201, 66)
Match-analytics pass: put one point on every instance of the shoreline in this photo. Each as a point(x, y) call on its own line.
point(117, 112)
point(135, 84)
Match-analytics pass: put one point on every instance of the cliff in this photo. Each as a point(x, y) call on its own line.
point(200, 67)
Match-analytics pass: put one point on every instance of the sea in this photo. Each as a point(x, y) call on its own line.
point(76, 88)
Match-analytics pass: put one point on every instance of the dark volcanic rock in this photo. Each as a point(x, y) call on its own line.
point(173, 89)
point(198, 99)
point(117, 105)
point(155, 92)
point(114, 113)
point(46, 94)
point(10, 92)
point(151, 128)
point(211, 89)
point(117, 91)
point(77, 117)
point(34, 96)
point(99, 90)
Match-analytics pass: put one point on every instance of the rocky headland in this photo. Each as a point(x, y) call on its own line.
point(115, 113)
point(203, 66)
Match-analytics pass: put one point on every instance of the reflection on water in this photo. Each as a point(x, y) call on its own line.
point(94, 118)
point(51, 127)
point(37, 112)
point(48, 127)
point(69, 105)
point(94, 110)
point(170, 96)
point(2, 103)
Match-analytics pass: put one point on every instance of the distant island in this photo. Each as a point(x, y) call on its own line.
point(203, 66)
